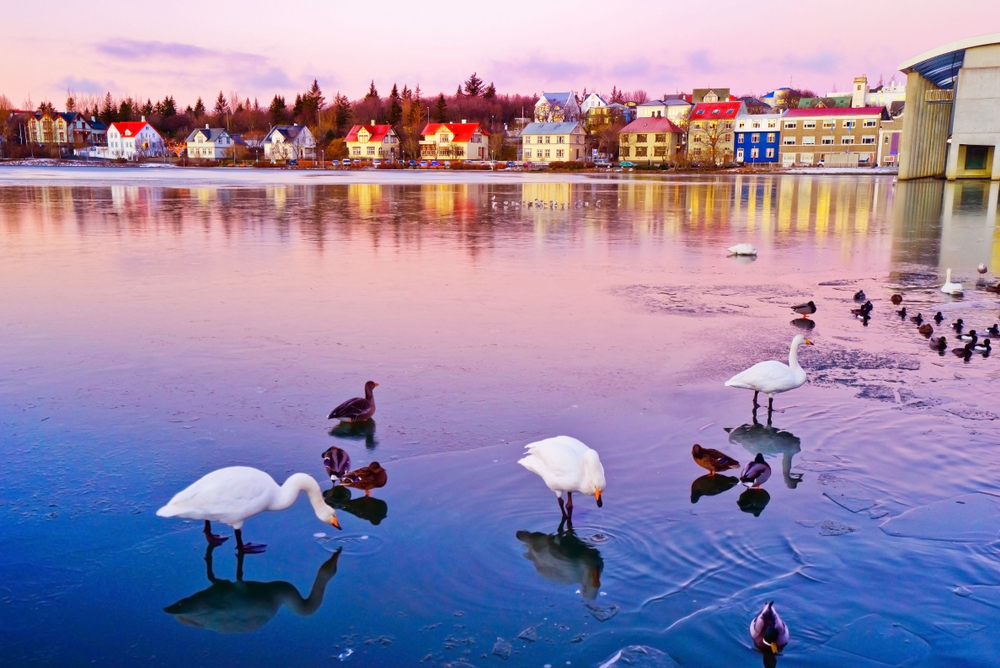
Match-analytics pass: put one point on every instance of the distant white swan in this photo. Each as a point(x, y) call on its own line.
point(566, 465)
point(772, 377)
point(742, 249)
point(234, 494)
point(949, 287)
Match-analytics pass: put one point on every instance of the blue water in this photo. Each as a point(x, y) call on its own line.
point(152, 332)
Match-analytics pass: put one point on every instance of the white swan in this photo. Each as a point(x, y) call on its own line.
point(742, 249)
point(566, 465)
point(949, 287)
point(236, 493)
point(773, 377)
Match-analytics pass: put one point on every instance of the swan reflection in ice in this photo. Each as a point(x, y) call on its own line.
point(563, 558)
point(769, 440)
point(367, 508)
point(357, 431)
point(242, 606)
point(710, 485)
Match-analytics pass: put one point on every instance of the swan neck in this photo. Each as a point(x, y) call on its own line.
point(793, 358)
point(299, 482)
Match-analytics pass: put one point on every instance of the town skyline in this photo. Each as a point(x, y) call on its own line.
point(87, 55)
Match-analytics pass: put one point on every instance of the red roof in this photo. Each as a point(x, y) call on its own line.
point(130, 129)
point(710, 111)
point(653, 125)
point(835, 111)
point(463, 131)
point(377, 132)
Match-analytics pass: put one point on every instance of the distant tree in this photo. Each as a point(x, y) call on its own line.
point(199, 109)
point(473, 85)
point(638, 96)
point(313, 103)
point(395, 108)
point(221, 105)
point(297, 108)
point(70, 103)
point(458, 93)
point(7, 123)
point(47, 108)
point(490, 92)
point(372, 93)
point(342, 113)
point(126, 110)
point(441, 110)
point(108, 112)
point(278, 110)
point(168, 107)
point(147, 109)
point(407, 94)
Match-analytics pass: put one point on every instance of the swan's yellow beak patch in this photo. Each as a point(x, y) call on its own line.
point(809, 342)
point(334, 522)
point(597, 495)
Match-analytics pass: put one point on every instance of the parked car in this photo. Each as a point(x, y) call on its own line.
point(293, 163)
point(335, 163)
point(602, 163)
point(357, 163)
point(435, 163)
point(510, 164)
point(423, 164)
point(625, 164)
point(447, 164)
point(412, 163)
point(376, 163)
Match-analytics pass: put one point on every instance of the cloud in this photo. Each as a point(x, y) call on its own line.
point(85, 86)
point(822, 62)
point(700, 61)
point(553, 74)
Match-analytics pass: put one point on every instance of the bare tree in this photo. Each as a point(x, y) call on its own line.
point(709, 141)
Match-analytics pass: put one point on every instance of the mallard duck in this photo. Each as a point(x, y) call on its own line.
point(742, 249)
point(357, 409)
point(337, 462)
point(949, 287)
point(773, 377)
point(755, 473)
point(939, 343)
point(859, 296)
point(958, 325)
point(896, 299)
point(367, 478)
point(805, 310)
point(969, 337)
point(234, 494)
point(938, 317)
point(865, 309)
point(769, 631)
point(712, 459)
point(566, 465)
point(993, 331)
point(918, 319)
point(925, 329)
point(982, 347)
point(902, 313)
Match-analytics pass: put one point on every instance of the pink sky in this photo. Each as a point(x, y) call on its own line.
point(189, 48)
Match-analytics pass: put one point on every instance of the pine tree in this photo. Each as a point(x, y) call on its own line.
point(297, 108)
point(108, 112)
point(70, 103)
point(199, 109)
point(372, 93)
point(473, 85)
point(458, 92)
point(277, 110)
point(490, 92)
point(441, 110)
point(147, 109)
point(315, 95)
point(342, 111)
point(169, 107)
point(221, 105)
point(407, 93)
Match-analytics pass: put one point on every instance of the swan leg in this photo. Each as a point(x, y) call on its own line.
point(755, 393)
point(770, 405)
point(248, 548)
point(212, 538)
point(562, 506)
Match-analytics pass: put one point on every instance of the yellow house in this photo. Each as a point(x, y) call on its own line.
point(553, 142)
point(649, 140)
point(372, 142)
point(454, 141)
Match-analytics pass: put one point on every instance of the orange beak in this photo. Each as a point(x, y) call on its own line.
point(597, 495)
point(376, 384)
point(809, 342)
point(334, 522)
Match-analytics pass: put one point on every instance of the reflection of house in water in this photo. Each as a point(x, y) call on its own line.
point(560, 193)
point(365, 198)
point(946, 224)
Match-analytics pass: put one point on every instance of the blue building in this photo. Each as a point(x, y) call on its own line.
point(758, 137)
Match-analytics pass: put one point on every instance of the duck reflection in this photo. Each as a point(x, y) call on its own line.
point(367, 508)
point(357, 431)
point(768, 440)
point(710, 485)
point(753, 500)
point(803, 323)
point(563, 558)
point(243, 607)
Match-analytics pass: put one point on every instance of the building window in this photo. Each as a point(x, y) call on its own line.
point(847, 140)
point(641, 139)
point(869, 140)
point(371, 150)
point(548, 153)
point(755, 138)
point(742, 125)
point(827, 140)
point(660, 151)
point(772, 124)
point(661, 139)
point(770, 152)
point(770, 137)
point(806, 157)
point(808, 141)
point(869, 123)
point(624, 151)
point(640, 151)
point(442, 139)
point(357, 150)
point(697, 152)
point(739, 138)
point(560, 140)
point(829, 124)
point(808, 125)
point(790, 125)
point(849, 124)
point(548, 140)
point(527, 153)
point(754, 153)
point(559, 153)
point(788, 141)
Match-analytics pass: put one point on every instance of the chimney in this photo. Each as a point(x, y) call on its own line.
point(206, 126)
point(373, 122)
point(463, 120)
point(142, 118)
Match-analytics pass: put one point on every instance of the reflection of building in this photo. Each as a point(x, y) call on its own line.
point(371, 142)
point(758, 137)
point(553, 142)
point(649, 140)
point(454, 141)
point(839, 137)
point(954, 88)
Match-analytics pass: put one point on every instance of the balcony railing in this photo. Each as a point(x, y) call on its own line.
point(939, 96)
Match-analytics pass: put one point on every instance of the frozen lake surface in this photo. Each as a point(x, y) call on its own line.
point(154, 327)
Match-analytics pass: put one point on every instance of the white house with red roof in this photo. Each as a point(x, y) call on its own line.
point(454, 141)
point(133, 140)
point(372, 142)
point(711, 135)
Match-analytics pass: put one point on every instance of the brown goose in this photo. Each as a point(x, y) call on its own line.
point(357, 409)
point(367, 478)
point(712, 459)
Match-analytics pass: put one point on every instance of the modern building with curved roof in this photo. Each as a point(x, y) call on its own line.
point(951, 126)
